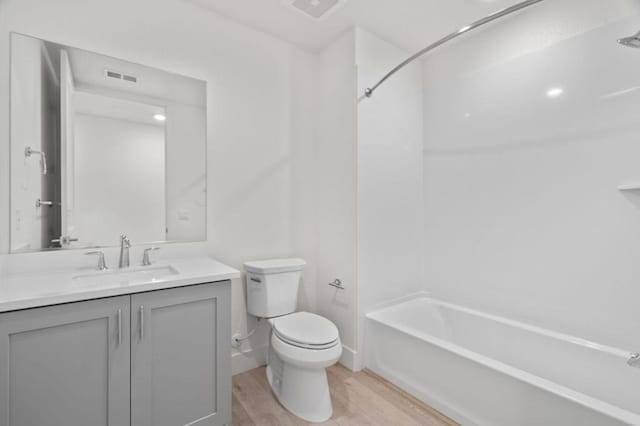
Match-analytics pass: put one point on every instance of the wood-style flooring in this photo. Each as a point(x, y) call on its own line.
point(361, 398)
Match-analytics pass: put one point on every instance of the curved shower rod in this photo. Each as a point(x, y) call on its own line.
point(496, 15)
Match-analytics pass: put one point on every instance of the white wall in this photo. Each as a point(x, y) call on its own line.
point(259, 103)
point(522, 213)
point(185, 172)
point(390, 204)
point(119, 180)
point(369, 183)
point(336, 188)
point(389, 174)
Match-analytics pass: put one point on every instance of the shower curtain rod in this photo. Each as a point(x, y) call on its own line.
point(496, 15)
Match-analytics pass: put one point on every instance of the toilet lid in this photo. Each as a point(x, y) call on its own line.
point(305, 328)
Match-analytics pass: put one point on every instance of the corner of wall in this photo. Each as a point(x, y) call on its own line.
point(245, 361)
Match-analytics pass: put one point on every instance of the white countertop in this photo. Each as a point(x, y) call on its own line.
point(42, 288)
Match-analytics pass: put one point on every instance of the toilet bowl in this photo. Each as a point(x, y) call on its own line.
point(301, 345)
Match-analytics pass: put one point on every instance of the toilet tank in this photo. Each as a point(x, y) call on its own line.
point(272, 286)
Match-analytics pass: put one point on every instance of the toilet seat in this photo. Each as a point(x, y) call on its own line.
point(303, 345)
point(306, 330)
point(304, 357)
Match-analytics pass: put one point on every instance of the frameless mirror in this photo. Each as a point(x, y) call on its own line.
point(102, 147)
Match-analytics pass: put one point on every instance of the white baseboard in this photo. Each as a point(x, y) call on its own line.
point(257, 357)
point(351, 359)
point(248, 360)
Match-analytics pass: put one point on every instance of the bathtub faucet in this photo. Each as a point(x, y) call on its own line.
point(634, 361)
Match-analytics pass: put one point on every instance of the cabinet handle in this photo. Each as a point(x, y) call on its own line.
point(119, 327)
point(141, 322)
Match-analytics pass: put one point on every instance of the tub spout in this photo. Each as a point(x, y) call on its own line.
point(634, 361)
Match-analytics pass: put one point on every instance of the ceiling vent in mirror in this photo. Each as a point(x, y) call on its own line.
point(315, 9)
point(120, 76)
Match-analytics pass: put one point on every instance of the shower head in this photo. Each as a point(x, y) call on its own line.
point(632, 41)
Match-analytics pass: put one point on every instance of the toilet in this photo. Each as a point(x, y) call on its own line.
point(301, 345)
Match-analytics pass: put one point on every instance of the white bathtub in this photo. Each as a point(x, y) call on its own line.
point(487, 370)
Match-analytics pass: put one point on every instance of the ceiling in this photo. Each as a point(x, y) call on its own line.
point(117, 108)
point(409, 24)
point(152, 84)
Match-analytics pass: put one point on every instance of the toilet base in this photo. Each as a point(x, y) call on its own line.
point(304, 392)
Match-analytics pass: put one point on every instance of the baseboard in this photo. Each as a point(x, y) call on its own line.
point(351, 359)
point(248, 360)
point(257, 357)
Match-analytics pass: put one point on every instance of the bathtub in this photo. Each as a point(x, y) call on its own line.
point(482, 369)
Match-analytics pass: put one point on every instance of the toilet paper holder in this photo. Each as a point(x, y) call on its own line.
point(337, 283)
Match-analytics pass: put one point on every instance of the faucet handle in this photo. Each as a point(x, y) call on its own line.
point(102, 265)
point(146, 261)
point(124, 241)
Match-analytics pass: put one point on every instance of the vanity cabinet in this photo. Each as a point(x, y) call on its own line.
point(66, 365)
point(180, 357)
point(157, 358)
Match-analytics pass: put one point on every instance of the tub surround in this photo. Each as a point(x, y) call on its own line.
point(24, 290)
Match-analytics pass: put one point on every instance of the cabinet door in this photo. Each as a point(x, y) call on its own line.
point(180, 356)
point(66, 365)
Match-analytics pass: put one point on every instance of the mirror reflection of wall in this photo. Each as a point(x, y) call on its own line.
point(118, 168)
point(124, 147)
point(35, 114)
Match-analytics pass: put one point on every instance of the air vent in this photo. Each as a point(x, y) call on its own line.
point(120, 76)
point(315, 9)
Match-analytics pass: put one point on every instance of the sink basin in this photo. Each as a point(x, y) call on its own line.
point(124, 277)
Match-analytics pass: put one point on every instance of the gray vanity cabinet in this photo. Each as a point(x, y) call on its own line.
point(160, 358)
point(66, 365)
point(180, 363)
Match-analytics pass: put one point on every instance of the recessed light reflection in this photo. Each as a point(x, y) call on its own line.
point(159, 117)
point(620, 93)
point(554, 92)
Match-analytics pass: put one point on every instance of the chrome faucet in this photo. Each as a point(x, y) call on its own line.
point(634, 361)
point(102, 265)
point(125, 244)
point(146, 260)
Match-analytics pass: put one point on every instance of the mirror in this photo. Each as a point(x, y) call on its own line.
point(102, 147)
